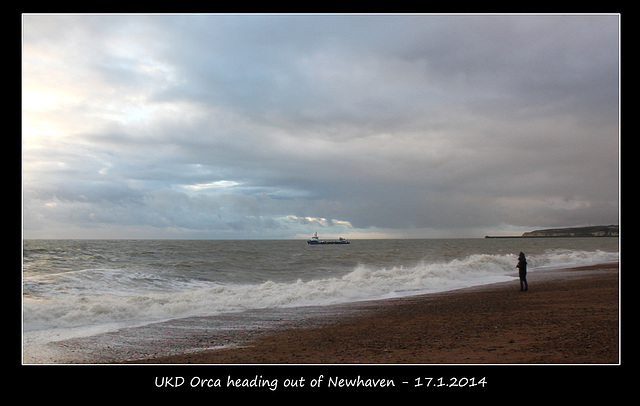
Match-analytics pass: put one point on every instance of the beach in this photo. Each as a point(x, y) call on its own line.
point(568, 316)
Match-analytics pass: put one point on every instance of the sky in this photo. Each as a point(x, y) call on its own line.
point(278, 126)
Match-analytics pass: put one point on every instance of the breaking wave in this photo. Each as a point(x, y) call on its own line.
point(115, 297)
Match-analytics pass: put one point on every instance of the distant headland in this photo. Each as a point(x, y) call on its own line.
point(591, 231)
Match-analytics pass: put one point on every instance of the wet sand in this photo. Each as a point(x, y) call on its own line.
point(568, 316)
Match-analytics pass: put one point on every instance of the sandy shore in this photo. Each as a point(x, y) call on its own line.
point(568, 316)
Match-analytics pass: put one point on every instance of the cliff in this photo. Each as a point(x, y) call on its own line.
point(592, 231)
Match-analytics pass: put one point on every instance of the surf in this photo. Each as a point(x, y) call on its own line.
point(111, 296)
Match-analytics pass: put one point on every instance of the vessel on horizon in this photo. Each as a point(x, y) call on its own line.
point(316, 241)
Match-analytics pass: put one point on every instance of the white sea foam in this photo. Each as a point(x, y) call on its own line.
point(85, 302)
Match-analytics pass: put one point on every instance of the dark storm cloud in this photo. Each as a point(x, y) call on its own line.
point(262, 125)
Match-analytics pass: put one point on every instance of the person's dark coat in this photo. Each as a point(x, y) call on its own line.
point(522, 265)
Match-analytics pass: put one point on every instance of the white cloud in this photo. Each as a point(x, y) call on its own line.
point(216, 185)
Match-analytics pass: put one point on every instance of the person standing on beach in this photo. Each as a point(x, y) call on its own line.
point(522, 266)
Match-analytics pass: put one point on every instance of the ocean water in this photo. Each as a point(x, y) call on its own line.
point(109, 300)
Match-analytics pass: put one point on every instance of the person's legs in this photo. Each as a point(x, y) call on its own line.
point(523, 283)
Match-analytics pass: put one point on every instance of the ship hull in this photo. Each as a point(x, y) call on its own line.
point(312, 242)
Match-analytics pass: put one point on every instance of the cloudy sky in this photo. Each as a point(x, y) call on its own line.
point(277, 126)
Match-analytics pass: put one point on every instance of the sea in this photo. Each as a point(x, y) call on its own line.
point(104, 301)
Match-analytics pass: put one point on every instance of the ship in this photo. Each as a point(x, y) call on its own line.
point(316, 241)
